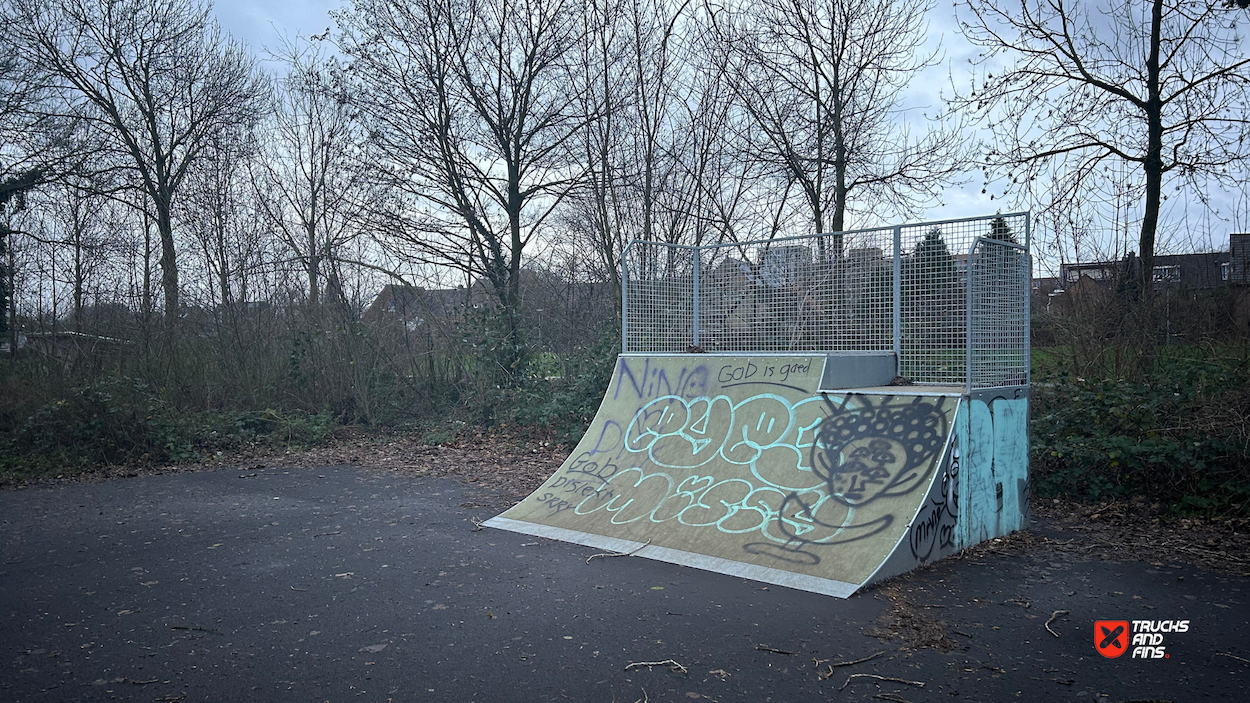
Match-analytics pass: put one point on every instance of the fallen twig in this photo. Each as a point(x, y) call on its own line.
point(141, 683)
point(327, 534)
point(762, 648)
point(293, 588)
point(671, 664)
point(891, 697)
point(199, 629)
point(477, 525)
point(171, 699)
point(857, 661)
point(880, 678)
point(1234, 656)
point(619, 554)
point(1208, 553)
point(829, 674)
point(1054, 615)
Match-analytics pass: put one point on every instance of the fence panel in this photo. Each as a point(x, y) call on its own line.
point(658, 310)
point(998, 317)
point(902, 289)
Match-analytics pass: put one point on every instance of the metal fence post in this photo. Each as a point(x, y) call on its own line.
point(968, 325)
point(698, 258)
point(898, 301)
point(1028, 300)
point(625, 298)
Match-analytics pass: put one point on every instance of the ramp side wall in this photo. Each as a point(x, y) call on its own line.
point(993, 481)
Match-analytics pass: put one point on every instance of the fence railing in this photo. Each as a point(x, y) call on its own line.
point(950, 298)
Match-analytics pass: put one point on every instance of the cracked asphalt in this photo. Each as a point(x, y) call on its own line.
point(350, 584)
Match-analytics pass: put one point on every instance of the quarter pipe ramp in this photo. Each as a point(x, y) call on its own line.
point(751, 466)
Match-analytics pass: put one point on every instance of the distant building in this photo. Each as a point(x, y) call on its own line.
point(1097, 271)
point(414, 306)
point(1239, 257)
point(1201, 271)
point(1196, 271)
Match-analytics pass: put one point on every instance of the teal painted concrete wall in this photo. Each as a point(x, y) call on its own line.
point(993, 477)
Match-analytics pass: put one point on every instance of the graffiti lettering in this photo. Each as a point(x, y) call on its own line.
point(933, 532)
point(736, 373)
point(654, 381)
point(554, 503)
point(583, 464)
point(924, 531)
point(812, 469)
point(580, 488)
point(796, 367)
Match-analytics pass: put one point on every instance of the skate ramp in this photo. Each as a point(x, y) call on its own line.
point(745, 465)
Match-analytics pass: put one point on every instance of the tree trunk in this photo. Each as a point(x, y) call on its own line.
point(1153, 165)
point(314, 282)
point(513, 303)
point(169, 267)
point(839, 174)
point(78, 279)
point(12, 294)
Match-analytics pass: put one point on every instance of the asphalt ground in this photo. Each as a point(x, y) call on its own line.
point(351, 584)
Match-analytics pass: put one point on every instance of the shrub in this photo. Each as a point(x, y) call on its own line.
point(567, 403)
point(1168, 438)
point(231, 429)
point(110, 421)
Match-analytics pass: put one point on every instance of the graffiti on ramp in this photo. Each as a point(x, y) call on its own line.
point(740, 465)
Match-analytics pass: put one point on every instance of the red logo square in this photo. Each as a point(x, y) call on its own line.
point(1111, 637)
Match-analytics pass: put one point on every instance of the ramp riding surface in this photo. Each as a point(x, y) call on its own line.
point(743, 465)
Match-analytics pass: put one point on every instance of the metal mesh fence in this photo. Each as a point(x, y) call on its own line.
point(902, 289)
point(659, 297)
point(998, 317)
point(934, 274)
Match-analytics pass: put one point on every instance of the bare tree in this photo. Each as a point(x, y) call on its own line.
point(471, 106)
point(77, 222)
point(311, 179)
point(637, 70)
point(155, 78)
point(1161, 86)
point(822, 80)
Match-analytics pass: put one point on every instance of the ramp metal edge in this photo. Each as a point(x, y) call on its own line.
point(814, 584)
point(893, 390)
point(716, 355)
point(935, 480)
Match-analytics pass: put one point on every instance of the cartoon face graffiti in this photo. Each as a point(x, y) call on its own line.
point(867, 465)
point(866, 451)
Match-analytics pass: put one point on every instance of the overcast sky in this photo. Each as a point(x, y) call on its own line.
point(260, 23)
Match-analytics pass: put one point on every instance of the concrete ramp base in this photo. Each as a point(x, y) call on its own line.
point(743, 465)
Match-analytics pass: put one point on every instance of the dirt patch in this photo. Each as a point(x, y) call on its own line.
point(906, 622)
point(506, 465)
point(507, 462)
point(1138, 530)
